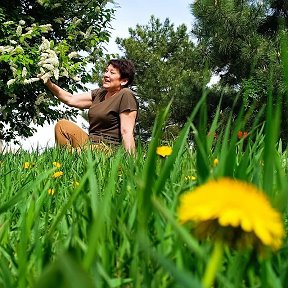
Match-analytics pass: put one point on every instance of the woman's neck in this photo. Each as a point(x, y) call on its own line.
point(111, 93)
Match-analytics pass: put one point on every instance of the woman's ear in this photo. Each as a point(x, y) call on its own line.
point(124, 82)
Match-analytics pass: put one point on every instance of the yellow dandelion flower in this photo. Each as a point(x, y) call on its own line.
point(215, 162)
point(26, 165)
point(51, 191)
point(57, 164)
point(164, 151)
point(233, 211)
point(57, 174)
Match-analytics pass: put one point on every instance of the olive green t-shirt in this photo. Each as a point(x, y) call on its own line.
point(104, 114)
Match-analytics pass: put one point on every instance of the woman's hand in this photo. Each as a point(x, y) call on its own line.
point(44, 78)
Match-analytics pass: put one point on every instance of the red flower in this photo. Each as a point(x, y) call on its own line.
point(239, 134)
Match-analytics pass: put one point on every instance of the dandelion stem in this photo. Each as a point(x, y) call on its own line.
point(213, 265)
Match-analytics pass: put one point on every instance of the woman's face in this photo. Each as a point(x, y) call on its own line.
point(112, 79)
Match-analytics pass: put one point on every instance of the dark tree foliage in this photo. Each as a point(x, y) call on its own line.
point(276, 16)
point(242, 40)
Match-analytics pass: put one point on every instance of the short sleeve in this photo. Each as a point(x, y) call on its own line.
point(128, 101)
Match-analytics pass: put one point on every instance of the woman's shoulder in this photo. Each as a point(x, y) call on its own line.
point(97, 92)
point(126, 91)
point(128, 100)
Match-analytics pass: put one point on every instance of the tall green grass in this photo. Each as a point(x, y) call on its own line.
point(118, 227)
point(112, 220)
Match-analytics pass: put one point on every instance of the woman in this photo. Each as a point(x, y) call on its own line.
point(112, 110)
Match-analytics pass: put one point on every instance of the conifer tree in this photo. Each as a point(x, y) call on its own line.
point(167, 69)
point(240, 39)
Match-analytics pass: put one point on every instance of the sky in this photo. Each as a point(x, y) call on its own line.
point(128, 14)
point(133, 12)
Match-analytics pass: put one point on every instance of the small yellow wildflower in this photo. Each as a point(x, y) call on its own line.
point(193, 178)
point(76, 184)
point(51, 191)
point(57, 174)
point(57, 164)
point(215, 162)
point(164, 151)
point(233, 211)
point(26, 165)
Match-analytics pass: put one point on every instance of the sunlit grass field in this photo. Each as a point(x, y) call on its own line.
point(89, 219)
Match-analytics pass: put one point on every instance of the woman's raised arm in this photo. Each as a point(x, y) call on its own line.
point(81, 100)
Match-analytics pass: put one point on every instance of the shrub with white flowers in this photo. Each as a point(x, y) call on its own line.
point(30, 61)
point(70, 51)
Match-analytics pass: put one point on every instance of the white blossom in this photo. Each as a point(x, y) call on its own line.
point(13, 42)
point(9, 49)
point(44, 55)
point(22, 22)
point(11, 81)
point(45, 77)
point(19, 30)
point(6, 49)
point(72, 55)
point(31, 80)
point(76, 20)
point(88, 32)
point(34, 79)
point(56, 73)
point(48, 66)
point(54, 61)
point(76, 78)
point(24, 72)
point(46, 27)
point(13, 68)
point(52, 53)
point(42, 71)
point(44, 45)
point(12, 64)
point(29, 32)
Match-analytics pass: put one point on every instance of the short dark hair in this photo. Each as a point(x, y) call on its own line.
point(126, 69)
